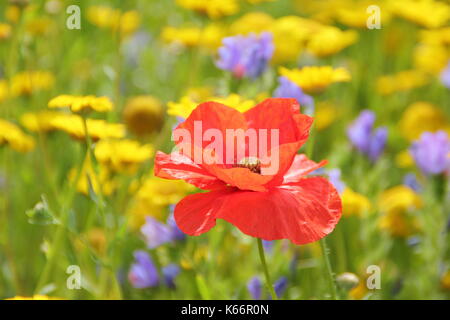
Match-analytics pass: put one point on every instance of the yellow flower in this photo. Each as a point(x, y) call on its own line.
point(99, 182)
point(212, 8)
point(35, 297)
point(153, 197)
point(5, 31)
point(11, 135)
point(12, 13)
point(355, 14)
point(401, 81)
point(209, 37)
point(426, 13)
point(39, 26)
point(404, 159)
point(330, 40)
point(122, 155)
point(255, 22)
point(81, 103)
point(354, 204)
point(41, 121)
point(420, 117)
point(4, 90)
point(26, 83)
point(439, 37)
point(431, 58)
point(259, 1)
point(186, 105)
point(314, 79)
point(396, 204)
point(325, 114)
point(97, 129)
point(114, 19)
point(143, 115)
point(289, 36)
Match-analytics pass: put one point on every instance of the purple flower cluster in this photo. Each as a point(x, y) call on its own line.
point(157, 233)
point(288, 89)
point(246, 56)
point(432, 152)
point(144, 274)
point(254, 287)
point(365, 138)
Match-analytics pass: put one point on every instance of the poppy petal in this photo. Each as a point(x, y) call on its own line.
point(283, 115)
point(300, 167)
point(176, 166)
point(303, 212)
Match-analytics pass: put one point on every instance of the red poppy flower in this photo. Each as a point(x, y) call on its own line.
point(285, 204)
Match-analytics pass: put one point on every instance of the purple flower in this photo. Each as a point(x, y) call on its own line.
point(246, 56)
point(288, 89)
point(431, 152)
point(445, 76)
point(334, 175)
point(170, 272)
point(410, 181)
point(177, 234)
point(156, 233)
point(280, 286)
point(143, 273)
point(363, 136)
point(254, 286)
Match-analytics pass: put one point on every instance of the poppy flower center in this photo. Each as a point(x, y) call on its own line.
point(251, 163)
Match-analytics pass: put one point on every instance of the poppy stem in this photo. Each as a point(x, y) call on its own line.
point(266, 271)
point(329, 271)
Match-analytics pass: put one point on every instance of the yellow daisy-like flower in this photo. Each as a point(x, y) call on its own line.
point(12, 13)
point(354, 14)
point(425, 13)
point(5, 31)
point(401, 81)
point(420, 117)
point(122, 155)
point(395, 204)
point(290, 34)
point(212, 8)
point(4, 90)
point(353, 203)
point(438, 37)
point(431, 58)
point(314, 79)
point(252, 22)
point(97, 129)
point(11, 135)
point(39, 26)
point(41, 121)
point(209, 37)
point(101, 182)
point(114, 19)
point(153, 197)
point(186, 105)
point(143, 115)
point(26, 83)
point(81, 103)
point(330, 40)
point(35, 297)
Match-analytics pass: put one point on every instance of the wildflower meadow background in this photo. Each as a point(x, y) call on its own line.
point(91, 90)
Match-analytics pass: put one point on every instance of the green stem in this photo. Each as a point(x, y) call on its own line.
point(266, 271)
point(329, 271)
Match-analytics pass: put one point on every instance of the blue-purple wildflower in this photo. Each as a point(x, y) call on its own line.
point(431, 152)
point(143, 273)
point(246, 56)
point(288, 89)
